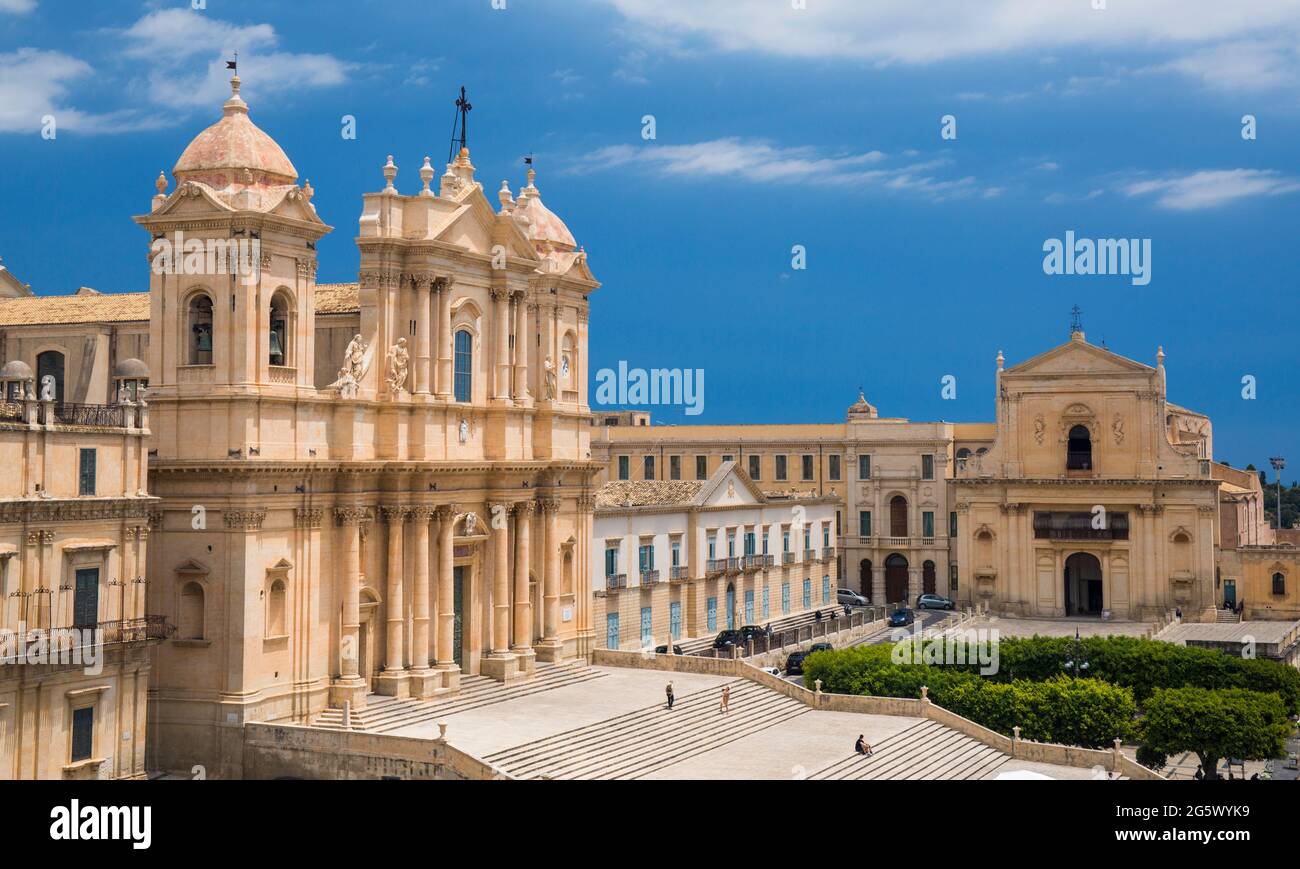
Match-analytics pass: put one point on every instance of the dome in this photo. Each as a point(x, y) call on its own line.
point(131, 369)
point(542, 225)
point(234, 152)
point(16, 370)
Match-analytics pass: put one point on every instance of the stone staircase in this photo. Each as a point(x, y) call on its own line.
point(638, 743)
point(1226, 617)
point(926, 750)
point(386, 714)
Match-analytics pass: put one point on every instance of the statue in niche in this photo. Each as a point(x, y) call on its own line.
point(550, 379)
point(1117, 429)
point(471, 521)
point(464, 431)
point(1040, 428)
point(398, 361)
point(355, 363)
point(48, 388)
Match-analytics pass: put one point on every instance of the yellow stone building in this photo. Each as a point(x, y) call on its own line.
point(368, 487)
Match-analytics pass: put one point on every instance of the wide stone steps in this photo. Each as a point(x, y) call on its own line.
point(926, 750)
point(638, 743)
point(386, 714)
point(1225, 617)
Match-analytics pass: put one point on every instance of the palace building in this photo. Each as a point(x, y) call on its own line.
point(366, 487)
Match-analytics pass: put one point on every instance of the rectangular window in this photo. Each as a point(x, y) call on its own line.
point(864, 467)
point(85, 600)
point(754, 467)
point(749, 542)
point(833, 467)
point(780, 468)
point(726, 457)
point(785, 540)
point(711, 614)
point(826, 589)
point(611, 560)
point(647, 627)
point(674, 467)
point(676, 547)
point(83, 733)
point(731, 544)
point(611, 631)
point(749, 606)
point(864, 523)
point(462, 383)
point(765, 541)
point(623, 471)
point(785, 598)
point(826, 535)
point(713, 545)
point(649, 467)
point(86, 479)
point(952, 576)
point(927, 523)
point(646, 557)
point(701, 467)
point(927, 467)
point(952, 524)
point(675, 619)
point(766, 601)
point(807, 594)
point(807, 468)
point(807, 538)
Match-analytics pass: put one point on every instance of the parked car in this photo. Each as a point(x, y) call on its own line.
point(934, 602)
point(820, 647)
point(775, 671)
point(663, 650)
point(794, 663)
point(901, 618)
point(727, 639)
point(850, 598)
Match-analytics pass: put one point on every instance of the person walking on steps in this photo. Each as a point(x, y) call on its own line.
point(669, 692)
point(725, 706)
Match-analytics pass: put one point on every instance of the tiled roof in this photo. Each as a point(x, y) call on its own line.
point(337, 298)
point(647, 493)
point(134, 307)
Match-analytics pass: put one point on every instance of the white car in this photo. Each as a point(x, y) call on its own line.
point(775, 671)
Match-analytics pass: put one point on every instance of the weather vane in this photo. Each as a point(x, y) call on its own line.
point(461, 122)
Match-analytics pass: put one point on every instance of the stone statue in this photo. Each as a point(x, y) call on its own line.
point(471, 521)
point(398, 360)
point(1040, 428)
point(550, 379)
point(30, 391)
point(48, 388)
point(1117, 429)
point(464, 431)
point(355, 363)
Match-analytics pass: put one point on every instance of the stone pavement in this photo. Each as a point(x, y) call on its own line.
point(1009, 626)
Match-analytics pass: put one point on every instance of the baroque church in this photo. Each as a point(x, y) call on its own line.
point(361, 488)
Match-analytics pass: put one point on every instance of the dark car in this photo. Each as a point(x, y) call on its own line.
point(663, 650)
point(794, 663)
point(934, 602)
point(820, 647)
point(900, 618)
point(727, 639)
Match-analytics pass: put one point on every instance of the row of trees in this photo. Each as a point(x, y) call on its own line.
point(1170, 698)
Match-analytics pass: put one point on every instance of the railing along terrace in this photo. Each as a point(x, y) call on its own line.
point(103, 415)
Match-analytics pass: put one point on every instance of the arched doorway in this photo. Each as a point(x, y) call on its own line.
point(1083, 594)
point(927, 578)
point(898, 516)
point(895, 579)
point(50, 363)
point(1078, 456)
point(864, 577)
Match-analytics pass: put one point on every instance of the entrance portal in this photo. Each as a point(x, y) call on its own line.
point(458, 607)
point(896, 579)
point(1083, 595)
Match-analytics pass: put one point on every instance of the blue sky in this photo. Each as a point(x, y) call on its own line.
point(775, 126)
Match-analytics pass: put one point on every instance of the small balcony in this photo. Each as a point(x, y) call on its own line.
point(715, 566)
point(615, 581)
point(97, 415)
point(649, 577)
point(678, 572)
point(828, 553)
point(787, 558)
point(733, 565)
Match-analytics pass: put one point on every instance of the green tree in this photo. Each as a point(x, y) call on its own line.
point(1214, 724)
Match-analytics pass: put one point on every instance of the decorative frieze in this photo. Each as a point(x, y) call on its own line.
point(243, 520)
point(42, 512)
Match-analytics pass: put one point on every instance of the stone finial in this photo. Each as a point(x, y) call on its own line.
point(1015, 733)
point(236, 102)
point(442, 731)
point(161, 183)
point(925, 693)
point(390, 174)
point(1160, 356)
point(308, 191)
point(506, 197)
point(426, 176)
point(1001, 360)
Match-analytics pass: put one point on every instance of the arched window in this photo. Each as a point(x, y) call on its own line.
point(1279, 583)
point(963, 454)
point(199, 330)
point(464, 379)
point(568, 362)
point(898, 516)
point(191, 614)
point(275, 610)
point(50, 364)
point(1078, 455)
point(279, 334)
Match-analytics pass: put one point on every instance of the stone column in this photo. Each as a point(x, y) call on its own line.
point(550, 648)
point(501, 320)
point(443, 289)
point(446, 597)
point(393, 680)
point(523, 562)
point(423, 326)
point(422, 679)
point(522, 342)
point(350, 687)
point(500, 583)
point(137, 582)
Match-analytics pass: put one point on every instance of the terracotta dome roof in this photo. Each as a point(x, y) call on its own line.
point(542, 224)
point(16, 369)
point(219, 155)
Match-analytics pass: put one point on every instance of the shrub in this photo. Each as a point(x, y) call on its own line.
point(1214, 723)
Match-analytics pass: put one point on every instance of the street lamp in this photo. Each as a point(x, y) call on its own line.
point(1076, 655)
point(1278, 464)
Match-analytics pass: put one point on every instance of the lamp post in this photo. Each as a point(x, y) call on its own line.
point(1278, 464)
point(1076, 655)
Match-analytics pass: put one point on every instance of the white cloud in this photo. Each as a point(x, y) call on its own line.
point(912, 32)
point(763, 162)
point(1213, 187)
point(170, 40)
point(1242, 65)
point(17, 7)
point(34, 83)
